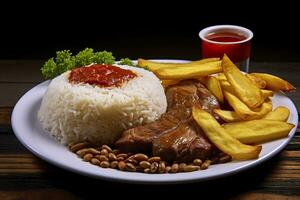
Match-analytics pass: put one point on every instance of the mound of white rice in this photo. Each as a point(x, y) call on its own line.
point(82, 112)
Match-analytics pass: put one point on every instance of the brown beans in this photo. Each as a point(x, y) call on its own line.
point(106, 157)
point(132, 160)
point(197, 162)
point(107, 148)
point(154, 167)
point(84, 151)
point(78, 146)
point(122, 155)
point(104, 152)
point(168, 169)
point(104, 164)
point(114, 164)
point(181, 167)
point(225, 159)
point(95, 161)
point(206, 164)
point(140, 157)
point(130, 167)
point(87, 157)
point(120, 158)
point(112, 157)
point(101, 158)
point(161, 167)
point(174, 168)
point(191, 168)
point(145, 164)
point(121, 165)
point(154, 159)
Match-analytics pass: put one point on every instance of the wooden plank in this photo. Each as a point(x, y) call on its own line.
point(12, 92)
point(264, 196)
point(21, 71)
point(59, 194)
point(9, 144)
point(5, 115)
point(56, 194)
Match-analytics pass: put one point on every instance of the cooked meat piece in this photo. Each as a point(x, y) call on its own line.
point(175, 136)
point(190, 92)
point(184, 144)
point(140, 138)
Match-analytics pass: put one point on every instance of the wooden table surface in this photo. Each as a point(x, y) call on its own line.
point(25, 176)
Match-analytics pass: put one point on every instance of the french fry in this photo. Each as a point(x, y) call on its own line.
point(154, 66)
point(226, 86)
point(267, 93)
point(243, 87)
point(221, 77)
point(258, 131)
point(219, 137)
point(228, 115)
point(214, 86)
point(260, 83)
point(280, 113)
point(243, 111)
point(187, 72)
point(275, 83)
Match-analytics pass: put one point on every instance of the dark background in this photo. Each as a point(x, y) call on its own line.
point(149, 30)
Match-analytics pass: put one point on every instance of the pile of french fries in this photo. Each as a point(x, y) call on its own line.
point(251, 119)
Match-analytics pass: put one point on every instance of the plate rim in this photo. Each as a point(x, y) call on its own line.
point(131, 179)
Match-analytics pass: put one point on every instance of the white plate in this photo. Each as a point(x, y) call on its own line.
point(30, 133)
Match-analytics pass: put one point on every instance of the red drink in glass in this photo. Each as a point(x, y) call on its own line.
point(232, 40)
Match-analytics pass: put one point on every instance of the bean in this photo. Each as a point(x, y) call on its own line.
point(78, 146)
point(87, 157)
point(168, 169)
point(132, 161)
point(104, 152)
point(130, 167)
point(154, 159)
point(121, 165)
point(108, 149)
point(114, 164)
point(120, 158)
point(101, 158)
point(154, 167)
point(140, 157)
point(174, 168)
point(123, 155)
point(84, 151)
point(95, 161)
point(112, 157)
point(206, 164)
point(104, 164)
point(191, 168)
point(161, 167)
point(147, 170)
point(181, 167)
point(145, 164)
point(197, 162)
point(225, 159)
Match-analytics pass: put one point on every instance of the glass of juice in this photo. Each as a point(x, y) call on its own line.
point(235, 41)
